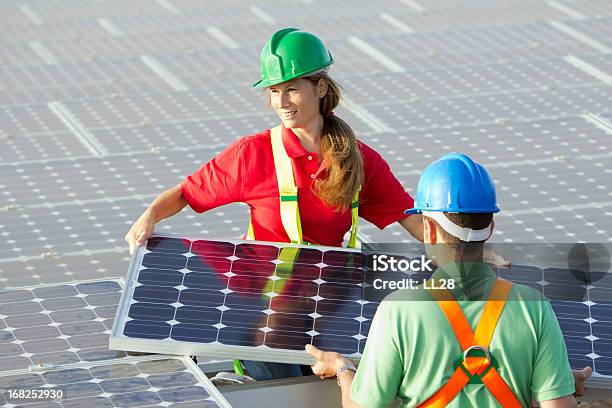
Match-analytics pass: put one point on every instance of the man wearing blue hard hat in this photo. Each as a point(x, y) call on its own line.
point(480, 342)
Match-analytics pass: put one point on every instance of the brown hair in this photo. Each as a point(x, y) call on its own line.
point(340, 150)
point(474, 221)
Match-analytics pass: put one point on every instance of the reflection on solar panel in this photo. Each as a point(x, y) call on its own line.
point(132, 382)
point(244, 300)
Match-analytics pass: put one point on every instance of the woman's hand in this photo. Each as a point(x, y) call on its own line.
point(580, 376)
point(165, 205)
point(141, 231)
point(495, 259)
point(328, 362)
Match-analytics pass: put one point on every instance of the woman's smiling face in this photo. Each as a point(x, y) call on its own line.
point(296, 102)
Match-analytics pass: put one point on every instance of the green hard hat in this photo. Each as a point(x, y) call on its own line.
point(291, 53)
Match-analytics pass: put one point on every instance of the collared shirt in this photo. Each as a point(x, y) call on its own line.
point(245, 172)
point(411, 347)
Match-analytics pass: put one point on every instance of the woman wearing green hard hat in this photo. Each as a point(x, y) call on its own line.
point(306, 180)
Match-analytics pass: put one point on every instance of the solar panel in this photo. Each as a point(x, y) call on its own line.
point(244, 300)
point(57, 324)
point(102, 107)
point(205, 296)
point(132, 382)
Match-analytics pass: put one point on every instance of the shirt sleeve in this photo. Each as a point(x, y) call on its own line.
point(217, 182)
point(380, 371)
point(552, 376)
point(382, 199)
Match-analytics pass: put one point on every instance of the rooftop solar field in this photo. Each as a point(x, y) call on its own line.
point(104, 104)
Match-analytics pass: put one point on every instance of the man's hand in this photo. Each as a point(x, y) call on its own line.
point(328, 362)
point(580, 377)
point(141, 231)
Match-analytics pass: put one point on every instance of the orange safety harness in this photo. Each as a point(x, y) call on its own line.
point(471, 368)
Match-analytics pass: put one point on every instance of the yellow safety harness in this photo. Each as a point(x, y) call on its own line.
point(288, 195)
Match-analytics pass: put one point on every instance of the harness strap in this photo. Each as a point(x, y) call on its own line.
point(288, 195)
point(479, 366)
point(290, 214)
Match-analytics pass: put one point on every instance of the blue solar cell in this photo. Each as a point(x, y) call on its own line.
point(602, 329)
point(340, 308)
point(168, 245)
point(122, 385)
point(578, 345)
point(238, 318)
point(98, 287)
point(286, 340)
point(160, 277)
point(155, 294)
point(579, 361)
point(147, 329)
point(240, 301)
point(299, 272)
point(344, 259)
point(200, 297)
point(181, 394)
point(151, 311)
point(342, 275)
point(573, 293)
point(602, 311)
point(135, 399)
point(340, 291)
point(212, 249)
point(337, 325)
point(520, 273)
point(82, 389)
point(603, 348)
point(164, 261)
point(600, 295)
point(573, 310)
point(210, 265)
point(603, 365)
point(233, 336)
point(574, 327)
point(340, 344)
point(205, 280)
point(194, 332)
point(55, 292)
point(256, 252)
point(198, 315)
point(176, 379)
point(292, 304)
point(68, 376)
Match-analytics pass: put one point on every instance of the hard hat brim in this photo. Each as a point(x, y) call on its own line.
point(266, 83)
point(454, 210)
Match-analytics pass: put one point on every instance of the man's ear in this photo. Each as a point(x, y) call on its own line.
point(322, 87)
point(429, 231)
point(492, 228)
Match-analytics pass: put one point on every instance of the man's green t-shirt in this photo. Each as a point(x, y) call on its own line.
point(411, 347)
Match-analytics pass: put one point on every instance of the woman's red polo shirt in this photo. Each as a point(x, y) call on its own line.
point(244, 172)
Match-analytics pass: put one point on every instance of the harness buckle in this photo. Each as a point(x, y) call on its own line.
point(475, 366)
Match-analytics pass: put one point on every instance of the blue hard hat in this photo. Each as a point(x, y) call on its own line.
point(455, 183)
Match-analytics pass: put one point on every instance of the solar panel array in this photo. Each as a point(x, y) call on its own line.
point(105, 104)
point(133, 382)
point(262, 301)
